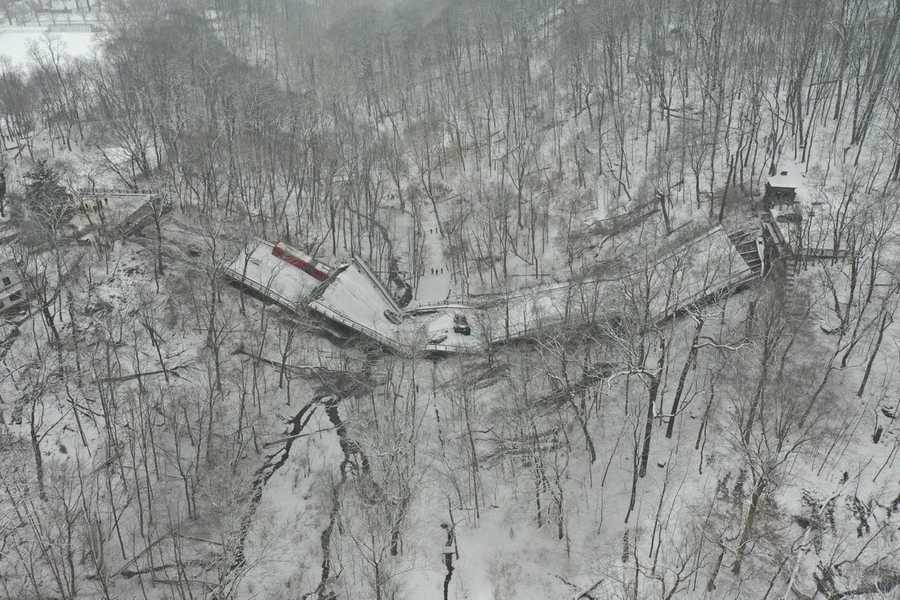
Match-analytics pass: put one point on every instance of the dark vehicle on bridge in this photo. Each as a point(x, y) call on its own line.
point(461, 324)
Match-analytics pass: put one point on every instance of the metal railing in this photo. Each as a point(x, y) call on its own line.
point(115, 192)
point(525, 327)
point(265, 290)
point(343, 319)
point(384, 291)
point(436, 307)
point(824, 253)
point(454, 348)
point(735, 280)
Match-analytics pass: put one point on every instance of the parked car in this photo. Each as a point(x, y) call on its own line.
point(461, 324)
point(789, 218)
point(393, 317)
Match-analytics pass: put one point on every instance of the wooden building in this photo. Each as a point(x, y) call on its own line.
point(781, 188)
point(12, 288)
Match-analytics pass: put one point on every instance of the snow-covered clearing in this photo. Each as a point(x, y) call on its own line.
point(18, 44)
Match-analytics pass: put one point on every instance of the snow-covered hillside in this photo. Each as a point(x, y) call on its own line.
point(452, 300)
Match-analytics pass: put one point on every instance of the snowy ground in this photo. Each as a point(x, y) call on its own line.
point(485, 435)
point(17, 44)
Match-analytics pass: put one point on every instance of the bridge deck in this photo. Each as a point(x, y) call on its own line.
point(272, 277)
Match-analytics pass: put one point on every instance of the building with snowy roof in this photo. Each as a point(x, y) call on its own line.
point(781, 188)
point(12, 287)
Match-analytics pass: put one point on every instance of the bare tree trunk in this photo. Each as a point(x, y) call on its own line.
point(758, 490)
point(682, 378)
point(885, 322)
point(651, 403)
point(36, 450)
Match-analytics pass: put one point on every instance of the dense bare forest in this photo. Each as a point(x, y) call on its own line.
point(578, 300)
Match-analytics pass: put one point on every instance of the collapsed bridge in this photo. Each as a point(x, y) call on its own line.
point(707, 267)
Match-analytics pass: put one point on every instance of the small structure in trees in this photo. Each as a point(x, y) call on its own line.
point(781, 189)
point(782, 215)
point(8, 233)
point(12, 288)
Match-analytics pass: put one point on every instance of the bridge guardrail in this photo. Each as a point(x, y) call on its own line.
point(265, 290)
point(335, 315)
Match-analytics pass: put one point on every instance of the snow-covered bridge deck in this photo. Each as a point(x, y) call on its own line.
point(263, 272)
point(696, 272)
point(355, 298)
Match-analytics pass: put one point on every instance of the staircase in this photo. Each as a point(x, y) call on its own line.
point(745, 243)
point(781, 262)
point(792, 303)
point(155, 206)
